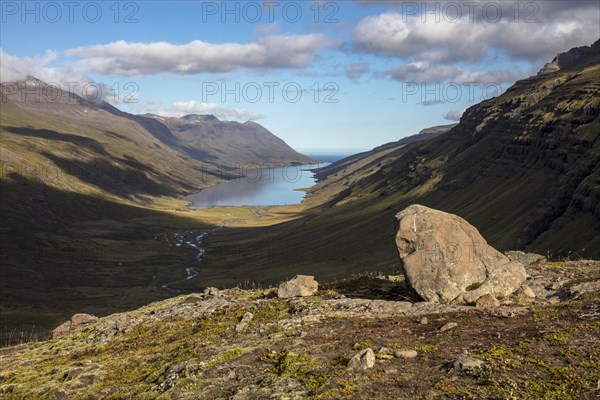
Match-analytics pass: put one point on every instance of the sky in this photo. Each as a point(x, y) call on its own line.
point(325, 76)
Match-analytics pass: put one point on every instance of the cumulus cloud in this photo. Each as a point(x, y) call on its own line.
point(357, 70)
point(14, 68)
point(130, 59)
point(454, 115)
point(425, 72)
point(442, 37)
point(181, 108)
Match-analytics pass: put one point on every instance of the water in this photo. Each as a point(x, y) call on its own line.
point(259, 187)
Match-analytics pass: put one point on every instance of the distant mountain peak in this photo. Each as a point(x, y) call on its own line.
point(576, 57)
point(200, 118)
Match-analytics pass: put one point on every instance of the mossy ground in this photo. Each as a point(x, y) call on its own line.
point(549, 352)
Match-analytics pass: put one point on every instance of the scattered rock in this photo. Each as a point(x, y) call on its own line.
point(446, 260)
point(424, 321)
point(467, 364)
point(526, 292)
point(384, 350)
point(487, 301)
point(299, 286)
point(76, 322)
point(525, 258)
point(405, 353)
point(365, 359)
point(448, 326)
point(211, 292)
point(243, 324)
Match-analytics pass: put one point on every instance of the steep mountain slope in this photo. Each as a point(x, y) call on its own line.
point(230, 142)
point(523, 167)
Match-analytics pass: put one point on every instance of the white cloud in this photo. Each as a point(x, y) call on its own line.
point(130, 59)
point(357, 70)
point(14, 68)
point(454, 115)
point(456, 40)
point(181, 108)
point(425, 72)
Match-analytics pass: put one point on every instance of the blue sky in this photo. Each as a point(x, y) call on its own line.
point(366, 72)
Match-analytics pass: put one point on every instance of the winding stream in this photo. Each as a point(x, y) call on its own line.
point(193, 239)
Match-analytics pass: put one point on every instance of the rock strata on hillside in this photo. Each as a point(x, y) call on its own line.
point(446, 260)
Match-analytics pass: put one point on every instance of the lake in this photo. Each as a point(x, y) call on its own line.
point(259, 187)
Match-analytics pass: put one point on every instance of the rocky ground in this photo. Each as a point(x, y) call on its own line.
point(362, 338)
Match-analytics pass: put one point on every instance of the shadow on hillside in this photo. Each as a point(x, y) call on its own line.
point(82, 141)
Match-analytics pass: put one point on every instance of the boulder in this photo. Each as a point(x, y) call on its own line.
point(299, 286)
point(487, 301)
point(446, 260)
point(365, 359)
point(74, 323)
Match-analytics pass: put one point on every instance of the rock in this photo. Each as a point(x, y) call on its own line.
point(467, 363)
point(243, 324)
point(525, 258)
point(76, 322)
point(299, 286)
point(424, 321)
point(365, 359)
point(487, 301)
point(446, 260)
point(405, 353)
point(448, 326)
point(526, 292)
point(211, 292)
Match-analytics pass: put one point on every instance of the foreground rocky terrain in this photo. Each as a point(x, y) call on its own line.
point(364, 337)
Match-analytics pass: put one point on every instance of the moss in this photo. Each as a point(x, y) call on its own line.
point(227, 355)
point(365, 344)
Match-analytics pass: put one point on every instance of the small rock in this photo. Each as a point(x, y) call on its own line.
point(526, 292)
point(391, 371)
point(487, 301)
point(365, 359)
point(424, 321)
point(211, 292)
point(385, 356)
point(448, 326)
point(467, 363)
point(243, 324)
point(384, 350)
point(299, 286)
point(525, 258)
point(405, 353)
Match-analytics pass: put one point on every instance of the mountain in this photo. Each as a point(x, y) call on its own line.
point(232, 142)
point(523, 167)
point(86, 188)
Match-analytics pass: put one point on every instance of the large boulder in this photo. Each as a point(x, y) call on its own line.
point(446, 260)
point(76, 322)
point(299, 286)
